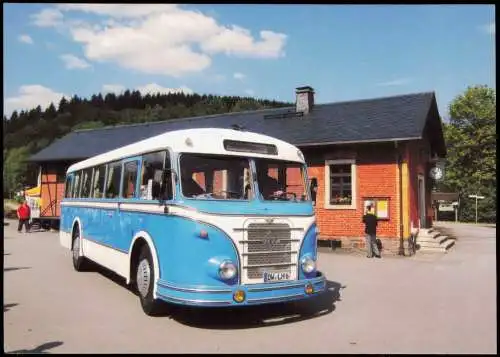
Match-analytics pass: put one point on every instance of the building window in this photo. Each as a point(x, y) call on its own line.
point(340, 188)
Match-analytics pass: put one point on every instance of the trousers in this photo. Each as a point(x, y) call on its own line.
point(371, 245)
point(25, 223)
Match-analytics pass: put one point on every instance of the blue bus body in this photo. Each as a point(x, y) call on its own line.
point(190, 238)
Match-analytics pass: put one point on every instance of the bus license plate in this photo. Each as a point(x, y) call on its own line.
point(276, 276)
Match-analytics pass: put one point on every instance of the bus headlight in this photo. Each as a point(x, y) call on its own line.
point(308, 264)
point(227, 270)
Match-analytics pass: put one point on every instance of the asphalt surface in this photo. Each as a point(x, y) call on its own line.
point(429, 303)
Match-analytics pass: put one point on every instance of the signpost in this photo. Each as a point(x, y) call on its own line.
point(477, 198)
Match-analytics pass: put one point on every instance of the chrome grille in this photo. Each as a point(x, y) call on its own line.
point(268, 248)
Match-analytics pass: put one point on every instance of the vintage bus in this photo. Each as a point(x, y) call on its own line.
point(207, 217)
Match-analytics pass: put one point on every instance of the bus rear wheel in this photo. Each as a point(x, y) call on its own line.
point(144, 280)
point(79, 261)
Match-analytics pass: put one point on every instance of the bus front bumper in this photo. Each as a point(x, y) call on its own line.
point(254, 294)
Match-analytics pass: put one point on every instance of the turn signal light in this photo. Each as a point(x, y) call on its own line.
point(309, 289)
point(239, 296)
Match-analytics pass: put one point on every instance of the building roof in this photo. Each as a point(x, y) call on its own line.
point(444, 196)
point(403, 117)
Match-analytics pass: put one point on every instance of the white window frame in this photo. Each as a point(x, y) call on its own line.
point(354, 200)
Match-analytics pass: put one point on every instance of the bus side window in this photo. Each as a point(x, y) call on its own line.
point(76, 187)
point(129, 179)
point(69, 186)
point(152, 169)
point(113, 181)
point(99, 176)
point(86, 183)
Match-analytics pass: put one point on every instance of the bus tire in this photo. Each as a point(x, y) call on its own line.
point(79, 261)
point(144, 281)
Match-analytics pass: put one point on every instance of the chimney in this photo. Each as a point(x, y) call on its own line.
point(304, 99)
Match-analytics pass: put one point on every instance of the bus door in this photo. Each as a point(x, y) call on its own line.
point(109, 215)
point(128, 222)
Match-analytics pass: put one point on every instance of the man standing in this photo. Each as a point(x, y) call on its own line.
point(23, 214)
point(370, 221)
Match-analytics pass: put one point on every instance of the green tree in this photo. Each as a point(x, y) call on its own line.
point(14, 169)
point(88, 125)
point(471, 145)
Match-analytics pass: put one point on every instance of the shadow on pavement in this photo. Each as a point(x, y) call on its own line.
point(6, 307)
point(17, 268)
point(246, 317)
point(6, 254)
point(243, 317)
point(40, 349)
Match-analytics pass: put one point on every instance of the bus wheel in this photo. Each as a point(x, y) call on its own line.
point(145, 278)
point(79, 261)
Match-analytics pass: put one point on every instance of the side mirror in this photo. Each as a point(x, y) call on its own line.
point(313, 186)
point(172, 172)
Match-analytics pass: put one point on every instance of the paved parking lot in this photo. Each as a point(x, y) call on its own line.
point(423, 304)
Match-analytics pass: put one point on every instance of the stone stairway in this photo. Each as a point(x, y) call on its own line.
point(431, 240)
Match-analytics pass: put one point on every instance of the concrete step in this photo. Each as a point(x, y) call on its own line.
point(432, 234)
point(441, 248)
point(426, 231)
point(438, 239)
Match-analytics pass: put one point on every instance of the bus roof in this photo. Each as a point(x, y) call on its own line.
point(201, 140)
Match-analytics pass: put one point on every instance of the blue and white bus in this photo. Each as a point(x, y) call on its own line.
point(207, 217)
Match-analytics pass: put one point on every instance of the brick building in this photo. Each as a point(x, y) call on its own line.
point(375, 150)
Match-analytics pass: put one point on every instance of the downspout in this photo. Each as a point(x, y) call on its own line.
point(400, 179)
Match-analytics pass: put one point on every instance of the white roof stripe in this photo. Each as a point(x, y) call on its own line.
point(204, 140)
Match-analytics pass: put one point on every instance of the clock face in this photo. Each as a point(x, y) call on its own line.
point(436, 173)
point(302, 101)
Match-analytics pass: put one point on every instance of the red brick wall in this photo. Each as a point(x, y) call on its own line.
point(376, 176)
point(417, 156)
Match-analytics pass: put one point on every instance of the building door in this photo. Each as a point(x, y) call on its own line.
point(421, 202)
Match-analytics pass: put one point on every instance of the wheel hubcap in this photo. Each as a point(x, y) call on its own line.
point(76, 248)
point(143, 277)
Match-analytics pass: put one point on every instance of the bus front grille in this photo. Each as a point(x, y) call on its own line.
point(268, 249)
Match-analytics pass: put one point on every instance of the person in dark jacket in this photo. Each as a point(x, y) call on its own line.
point(370, 221)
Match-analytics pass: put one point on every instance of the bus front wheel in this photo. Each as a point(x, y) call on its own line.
point(145, 278)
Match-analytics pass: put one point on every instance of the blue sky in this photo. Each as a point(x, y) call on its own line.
point(344, 52)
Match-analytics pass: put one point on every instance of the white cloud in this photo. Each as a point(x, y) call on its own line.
point(113, 88)
point(119, 10)
point(73, 62)
point(239, 75)
point(239, 42)
point(249, 91)
point(161, 39)
point(489, 28)
point(49, 17)
point(25, 39)
point(153, 88)
point(30, 96)
point(396, 82)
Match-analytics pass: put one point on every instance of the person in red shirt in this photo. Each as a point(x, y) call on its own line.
point(24, 214)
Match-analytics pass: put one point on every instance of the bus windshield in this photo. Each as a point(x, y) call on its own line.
point(281, 180)
point(217, 177)
point(228, 177)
